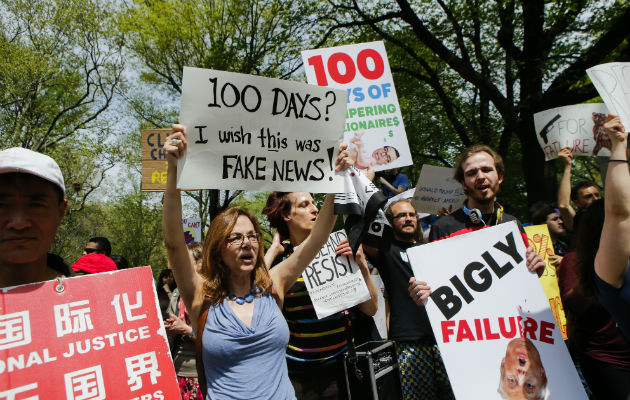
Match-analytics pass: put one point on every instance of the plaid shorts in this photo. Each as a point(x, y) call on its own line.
point(422, 372)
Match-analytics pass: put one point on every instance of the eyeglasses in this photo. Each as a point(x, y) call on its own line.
point(237, 239)
point(90, 250)
point(405, 215)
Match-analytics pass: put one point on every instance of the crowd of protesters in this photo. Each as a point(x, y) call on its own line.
point(233, 309)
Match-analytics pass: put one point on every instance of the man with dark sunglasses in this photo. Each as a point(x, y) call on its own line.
point(98, 245)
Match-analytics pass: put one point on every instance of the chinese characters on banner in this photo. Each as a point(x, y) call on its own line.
point(538, 236)
point(491, 318)
point(374, 127)
point(91, 337)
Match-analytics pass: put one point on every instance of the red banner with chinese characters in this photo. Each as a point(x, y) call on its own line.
point(90, 337)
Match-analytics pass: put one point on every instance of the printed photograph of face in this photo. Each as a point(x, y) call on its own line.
point(523, 376)
point(363, 159)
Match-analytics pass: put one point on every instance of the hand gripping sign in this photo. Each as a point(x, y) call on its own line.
point(91, 337)
point(334, 281)
point(491, 319)
point(255, 133)
point(374, 127)
point(612, 82)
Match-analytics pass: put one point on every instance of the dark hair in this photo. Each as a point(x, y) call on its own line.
point(540, 216)
point(120, 261)
point(474, 149)
point(392, 147)
point(103, 245)
point(579, 186)
point(277, 207)
point(165, 273)
point(587, 237)
point(389, 213)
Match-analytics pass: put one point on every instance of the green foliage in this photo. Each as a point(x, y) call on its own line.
point(132, 223)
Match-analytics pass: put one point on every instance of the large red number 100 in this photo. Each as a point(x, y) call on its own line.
point(333, 67)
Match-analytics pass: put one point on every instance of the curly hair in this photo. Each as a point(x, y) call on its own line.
point(215, 273)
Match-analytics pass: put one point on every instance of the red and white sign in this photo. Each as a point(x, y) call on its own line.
point(491, 318)
point(91, 337)
point(374, 127)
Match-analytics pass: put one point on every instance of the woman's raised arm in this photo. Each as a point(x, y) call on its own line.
point(188, 281)
point(287, 272)
point(611, 261)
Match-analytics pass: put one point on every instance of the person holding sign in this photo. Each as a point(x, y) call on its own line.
point(582, 194)
point(235, 300)
point(612, 276)
point(479, 169)
point(32, 205)
point(316, 346)
point(593, 280)
point(421, 369)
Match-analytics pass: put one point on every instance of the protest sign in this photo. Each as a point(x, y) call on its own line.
point(192, 229)
point(374, 127)
point(436, 189)
point(538, 236)
point(255, 133)
point(153, 160)
point(578, 127)
point(491, 319)
point(333, 281)
point(612, 81)
point(380, 318)
point(91, 337)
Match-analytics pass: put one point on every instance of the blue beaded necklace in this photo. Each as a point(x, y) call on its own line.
point(249, 297)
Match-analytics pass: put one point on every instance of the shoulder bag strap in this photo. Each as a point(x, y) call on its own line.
point(201, 373)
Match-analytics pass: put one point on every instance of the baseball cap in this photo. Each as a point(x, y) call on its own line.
point(18, 159)
point(94, 263)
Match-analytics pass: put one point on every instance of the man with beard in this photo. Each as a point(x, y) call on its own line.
point(422, 372)
point(480, 171)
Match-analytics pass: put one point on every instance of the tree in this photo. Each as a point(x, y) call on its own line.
point(503, 59)
point(60, 65)
point(251, 37)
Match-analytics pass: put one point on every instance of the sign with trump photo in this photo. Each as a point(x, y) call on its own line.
point(373, 127)
point(491, 319)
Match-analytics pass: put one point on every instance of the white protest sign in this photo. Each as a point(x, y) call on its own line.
point(374, 127)
point(256, 133)
point(578, 127)
point(380, 318)
point(192, 229)
point(436, 189)
point(492, 320)
point(333, 281)
point(612, 81)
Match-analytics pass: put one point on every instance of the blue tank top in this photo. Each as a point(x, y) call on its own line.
point(244, 362)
